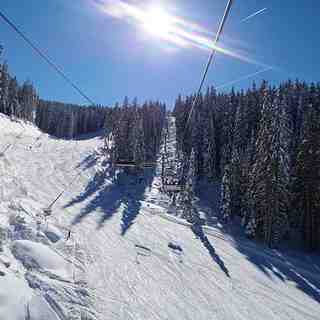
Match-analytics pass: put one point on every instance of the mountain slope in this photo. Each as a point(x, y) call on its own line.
point(140, 262)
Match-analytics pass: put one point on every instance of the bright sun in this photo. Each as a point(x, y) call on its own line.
point(157, 22)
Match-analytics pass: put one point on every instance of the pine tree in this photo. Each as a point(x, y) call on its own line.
point(187, 198)
point(238, 165)
point(270, 174)
point(209, 143)
point(139, 151)
point(14, 105)
point(28, 101)
point(226, 205)
point(4, 85)
point(306, 198)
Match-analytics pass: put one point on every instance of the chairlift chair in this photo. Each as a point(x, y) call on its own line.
point(131, 164)
point(149, 164)
point(170, 173)
point(173, 186)
point(125, 163)
point(47, 211)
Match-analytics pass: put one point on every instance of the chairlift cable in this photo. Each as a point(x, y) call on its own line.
point(206, 70)
point(45, 57)
point(48, 60)
point(63, 191)
point(211, 59)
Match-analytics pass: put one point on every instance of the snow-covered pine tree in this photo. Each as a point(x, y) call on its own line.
point(188, 196)
point(227, 115)
point(123, 135)
point(14, 105)
point(226, 205)
point(139, 152)
point(306, 197)
point(270, 174)
point(209, 147)
point(4, 85)
point(238, 163)
point(28, 101)
point(196, 128)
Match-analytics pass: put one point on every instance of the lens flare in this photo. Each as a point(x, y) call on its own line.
point(175, 30)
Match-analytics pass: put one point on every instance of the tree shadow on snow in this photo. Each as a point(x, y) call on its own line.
point(91, 160)
point(198, 231)
point(88, 162)
point(134, 198)
point(86, 136)
point(286, 264)
point(302, 271)
point(95, 188)
point(208, 195)
point(126, 191)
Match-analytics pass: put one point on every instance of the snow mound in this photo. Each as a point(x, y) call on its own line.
point(40, 309)
point(35, 255)
point(14, 294)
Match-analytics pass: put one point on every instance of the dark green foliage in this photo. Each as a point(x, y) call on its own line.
point(136, 131)
point(306, 182)
point(269, 177)
point(257, 143)
point(15, 100)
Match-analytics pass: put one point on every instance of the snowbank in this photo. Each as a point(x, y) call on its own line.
point(14, 295)
point(35, 275)
point(35, 255)
point(40, 309)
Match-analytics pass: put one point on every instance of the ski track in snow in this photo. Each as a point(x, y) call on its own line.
point(112, 224)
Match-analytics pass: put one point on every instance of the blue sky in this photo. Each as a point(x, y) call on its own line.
point(111, 57)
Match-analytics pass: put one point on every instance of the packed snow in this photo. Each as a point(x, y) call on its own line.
point(112, 248)
point(34, 255)
point(14, 294)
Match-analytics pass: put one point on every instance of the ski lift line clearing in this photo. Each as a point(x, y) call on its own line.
point(174, 186)
point(180, 187)
point(210, 61)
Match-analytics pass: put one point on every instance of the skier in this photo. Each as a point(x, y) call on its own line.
point(69, 234)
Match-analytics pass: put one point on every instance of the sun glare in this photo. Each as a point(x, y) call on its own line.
point(171, 29)
point(157, 22)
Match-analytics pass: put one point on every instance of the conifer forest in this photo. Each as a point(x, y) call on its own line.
point(262, 145)
point(159, 160)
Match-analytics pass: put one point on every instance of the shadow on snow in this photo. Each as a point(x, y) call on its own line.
point(126, 192)
point(286, 264)
point(198, 231)
point(303, 272)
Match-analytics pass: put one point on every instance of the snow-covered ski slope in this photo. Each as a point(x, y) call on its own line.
point(122, 230)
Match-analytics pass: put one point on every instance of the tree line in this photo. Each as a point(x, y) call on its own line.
point(135, 131)
point(59, 119)
point(63, 120)
point(16, 100)
point(263, 144)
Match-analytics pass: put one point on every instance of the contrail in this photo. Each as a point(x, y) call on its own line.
point(254, 14)
point(243, 78)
